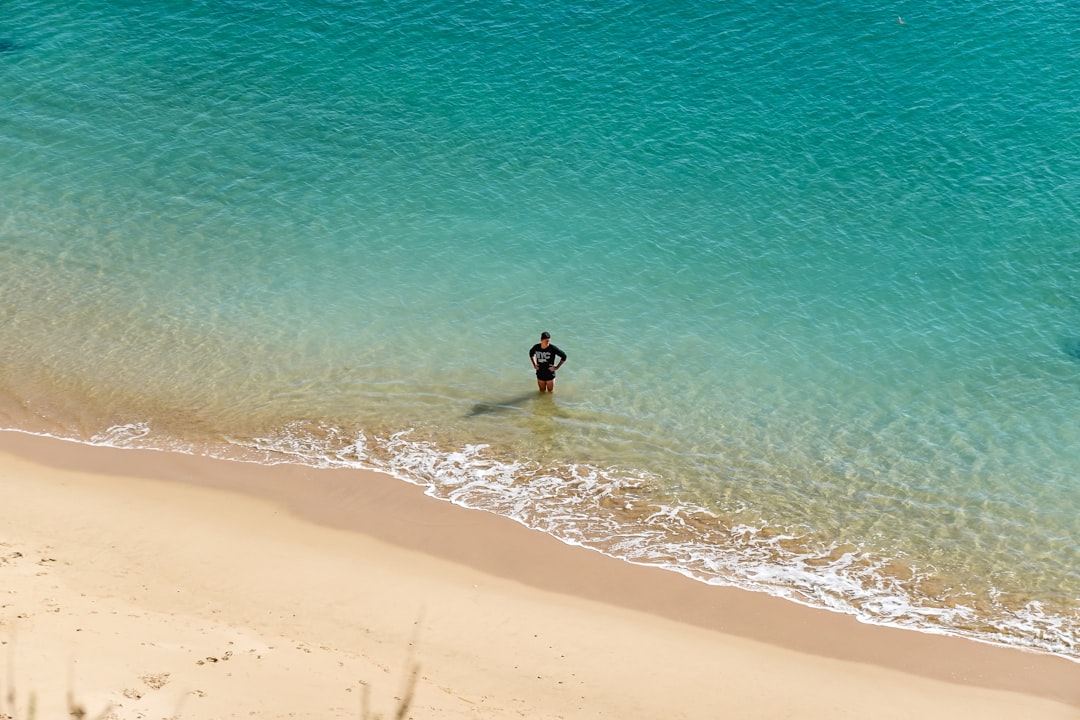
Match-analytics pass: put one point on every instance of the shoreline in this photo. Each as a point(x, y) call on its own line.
point(628, 640)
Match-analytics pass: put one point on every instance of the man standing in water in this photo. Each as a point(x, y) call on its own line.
point(542, 356)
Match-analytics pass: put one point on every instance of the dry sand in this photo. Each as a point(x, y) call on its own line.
point(162, 585)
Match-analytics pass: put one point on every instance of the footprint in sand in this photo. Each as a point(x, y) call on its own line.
point(223, 658)
point(155, 682)
point(10, 557)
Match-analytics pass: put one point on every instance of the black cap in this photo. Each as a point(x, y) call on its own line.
point(545, 335)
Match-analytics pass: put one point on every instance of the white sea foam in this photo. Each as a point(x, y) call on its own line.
point(122, 435)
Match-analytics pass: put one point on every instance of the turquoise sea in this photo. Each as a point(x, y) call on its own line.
point(816, 266)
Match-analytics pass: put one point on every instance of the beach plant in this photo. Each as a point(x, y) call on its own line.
point(412, 675)
point(77, 711)
point(11, 710)
point(10, 704)
point(402, 709)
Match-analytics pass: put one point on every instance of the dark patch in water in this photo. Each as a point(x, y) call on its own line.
point(1071, 346)
point(7, 46)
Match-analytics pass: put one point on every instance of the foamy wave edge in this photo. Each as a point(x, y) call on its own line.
point(573, 504)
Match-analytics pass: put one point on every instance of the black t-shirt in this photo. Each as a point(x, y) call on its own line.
point(545, 357)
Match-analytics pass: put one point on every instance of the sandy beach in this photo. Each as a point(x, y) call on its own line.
point(152, 585)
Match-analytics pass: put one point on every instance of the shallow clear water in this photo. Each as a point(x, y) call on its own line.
point(815, 271)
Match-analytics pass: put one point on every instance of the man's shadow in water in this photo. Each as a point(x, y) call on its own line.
point(534, 404)
point(502, 406)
